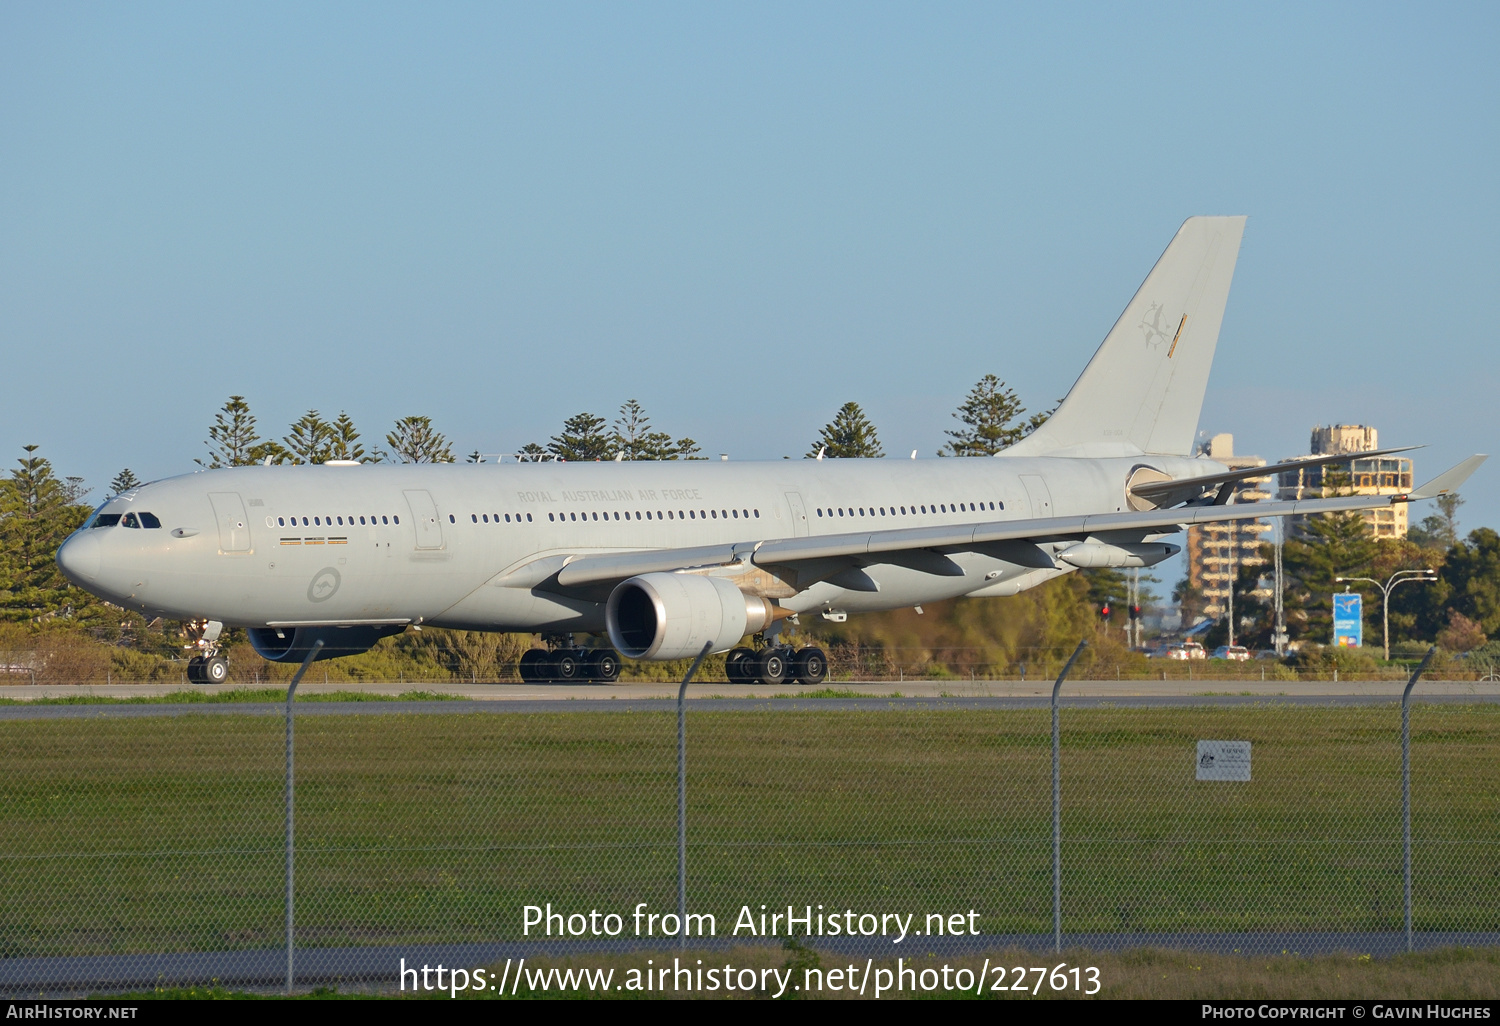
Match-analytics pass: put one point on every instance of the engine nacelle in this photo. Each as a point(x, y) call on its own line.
point(672, 616)
point(291, 644)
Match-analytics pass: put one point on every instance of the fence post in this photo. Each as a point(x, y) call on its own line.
point(682, 796)
point(1057, 803)
point(1406, 785)
point(291, 692)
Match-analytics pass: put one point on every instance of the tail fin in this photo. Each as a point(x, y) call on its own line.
point(1143, 390)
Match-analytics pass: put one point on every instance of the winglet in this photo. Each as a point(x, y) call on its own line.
point(1448, 480)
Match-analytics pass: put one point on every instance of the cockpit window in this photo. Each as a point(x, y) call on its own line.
point(106, 520)
point(149, 520)
point(130, 520)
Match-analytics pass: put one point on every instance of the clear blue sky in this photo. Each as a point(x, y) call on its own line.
point(741, 215)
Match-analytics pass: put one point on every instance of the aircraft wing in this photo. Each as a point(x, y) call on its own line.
point(928, 544)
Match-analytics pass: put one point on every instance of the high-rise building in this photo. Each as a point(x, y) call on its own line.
point(1376, 475)
point(1215, 552)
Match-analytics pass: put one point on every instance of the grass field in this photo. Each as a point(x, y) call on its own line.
point(164, 834)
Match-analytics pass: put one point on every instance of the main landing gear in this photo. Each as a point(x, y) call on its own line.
point(206, 666)
point(776, 664)
point(564, 662)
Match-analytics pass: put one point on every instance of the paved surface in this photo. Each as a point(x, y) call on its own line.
point(908, 689)
point(380, 965)
point(706, 705)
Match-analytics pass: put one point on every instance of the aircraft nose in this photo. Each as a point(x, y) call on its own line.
point(79, 557)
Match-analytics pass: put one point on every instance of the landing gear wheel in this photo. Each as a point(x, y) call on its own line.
point(810, 666)
point(195, 670)
point(770, 666)
point(214, 670)
point(564, 667)
point(533, 668)
point(738, 667)
point(602, 665)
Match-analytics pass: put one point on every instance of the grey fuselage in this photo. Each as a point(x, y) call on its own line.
point(292, 546)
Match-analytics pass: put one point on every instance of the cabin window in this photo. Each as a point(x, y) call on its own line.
point(473, 517)
point(528, 518)
point(395, 519)
point(757, 514)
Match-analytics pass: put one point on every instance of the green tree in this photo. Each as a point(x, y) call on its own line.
point(415, 441)
point(310, 440)
point(37, 513)
point(1331, 545)
point(850, 435)
point(634, 437)
point(1472, 573)
point(1439, 530)
point(343, 440)
point(123, 482)
point(989, 416)
point(583, 438)
point(531, 451)
point(233, 440)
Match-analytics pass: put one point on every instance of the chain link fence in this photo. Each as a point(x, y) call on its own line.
point(144, 846)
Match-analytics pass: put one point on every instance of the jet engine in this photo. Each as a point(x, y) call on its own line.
point(672, 616)
point(291, 644)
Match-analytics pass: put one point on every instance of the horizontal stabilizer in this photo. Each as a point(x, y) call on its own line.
point(1162, 489)
point(1449, 480)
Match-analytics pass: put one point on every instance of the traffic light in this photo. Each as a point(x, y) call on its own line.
point(1104, 612)
point(1135, 612)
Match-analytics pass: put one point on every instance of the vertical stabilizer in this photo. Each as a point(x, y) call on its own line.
point(1143, 390)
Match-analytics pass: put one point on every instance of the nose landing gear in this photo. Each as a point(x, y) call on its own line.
point(565, 662)
point(207, 665)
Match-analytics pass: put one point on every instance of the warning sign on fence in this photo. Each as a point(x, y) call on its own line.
point(1223, 760)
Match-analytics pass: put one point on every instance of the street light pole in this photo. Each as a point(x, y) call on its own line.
point(1397, 578)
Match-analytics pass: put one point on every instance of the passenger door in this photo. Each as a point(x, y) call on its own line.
point(424, 514)
point(234, 526)
point(1040, 496)
point(799, 514)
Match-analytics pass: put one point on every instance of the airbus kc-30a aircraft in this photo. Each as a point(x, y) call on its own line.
point(666, 558)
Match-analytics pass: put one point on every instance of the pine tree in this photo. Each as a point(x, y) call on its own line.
point(582, 439)
point(343, 440)
point(310, 439)
point(36, 516)
point(633, 436)
point(1330, 545)
point(989, 414)
point(531, 452)
point(232, 438)
point(415, 441)
point(123, 482)
point(850, 435)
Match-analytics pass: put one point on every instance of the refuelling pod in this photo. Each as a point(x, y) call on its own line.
point(1096, 554)
point(291, 644)
point(672, 616)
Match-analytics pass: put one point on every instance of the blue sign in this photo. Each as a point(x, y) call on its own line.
point(1348, 619)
